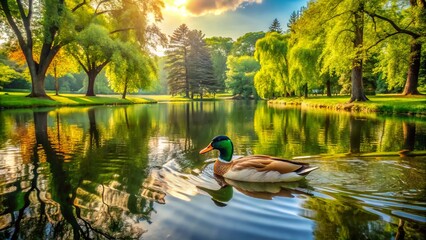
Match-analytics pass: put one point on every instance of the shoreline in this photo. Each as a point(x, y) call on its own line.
point(383, 104)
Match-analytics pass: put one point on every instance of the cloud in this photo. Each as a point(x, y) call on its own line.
point(203, 7)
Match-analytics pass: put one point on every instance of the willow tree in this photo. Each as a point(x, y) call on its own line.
point(47, 23)
point(273, 80)
point(131, 70)
point(307, 40)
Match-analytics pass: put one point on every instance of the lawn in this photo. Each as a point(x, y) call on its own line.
point(384, 103)
point(18, 100)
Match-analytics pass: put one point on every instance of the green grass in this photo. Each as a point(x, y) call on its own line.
point(384, 103)
point(19, 100)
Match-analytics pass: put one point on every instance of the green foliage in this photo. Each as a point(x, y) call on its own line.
point(160, 86)
point(7, 75)
point(131, 70)
point(220, 49)
point(394, 61)
point(241, 74)
point(176, 64)
point(189, 66)
point(245, 45)
point(93, 46)
point(273, 78)
point(10, 73)
point(200, 67)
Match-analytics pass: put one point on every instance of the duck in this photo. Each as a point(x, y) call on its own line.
point(254, 168)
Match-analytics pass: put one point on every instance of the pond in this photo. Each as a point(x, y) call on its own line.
point(136, 172)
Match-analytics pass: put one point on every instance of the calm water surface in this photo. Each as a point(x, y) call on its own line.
point(135, 172)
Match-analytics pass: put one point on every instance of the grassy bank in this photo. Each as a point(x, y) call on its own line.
point(386, 103)
point(18, 100)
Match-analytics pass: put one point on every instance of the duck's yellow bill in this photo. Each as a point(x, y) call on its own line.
point(206, 149)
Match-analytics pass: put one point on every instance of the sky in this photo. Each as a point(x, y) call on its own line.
point(227, 18)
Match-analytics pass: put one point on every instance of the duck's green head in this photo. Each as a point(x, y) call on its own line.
point(224, 145)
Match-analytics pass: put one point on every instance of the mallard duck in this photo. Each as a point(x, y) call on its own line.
point(255, 168)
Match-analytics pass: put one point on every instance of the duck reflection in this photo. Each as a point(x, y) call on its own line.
point(266, 191)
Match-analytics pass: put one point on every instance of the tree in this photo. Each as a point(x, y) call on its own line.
point(190, 69)
point(49, 24)
point(61, 65)
point(345, 44)
point(131, 70)
point(393, 56)
point(200, 67)
point(272, 80)
point(113, 23)
point(8, 70)
point(246, 44)
point(275, 26)
point(219, 48)
point(307, 40)
point(7, 74)
point(93, 50)
point(176, 64)
point(241, 74)
point(396, 16)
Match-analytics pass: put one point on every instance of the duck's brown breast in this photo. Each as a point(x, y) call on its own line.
point(220, 168)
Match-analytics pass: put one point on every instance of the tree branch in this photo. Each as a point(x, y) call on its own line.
point(381, 40)
point(100, 3)
point(393, 24)
point(26, 22)
point(122, 30)
point(78, 6)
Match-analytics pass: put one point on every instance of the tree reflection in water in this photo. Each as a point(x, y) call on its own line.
point(61, 202)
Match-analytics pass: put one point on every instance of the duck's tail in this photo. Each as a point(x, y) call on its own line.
point(306, 170)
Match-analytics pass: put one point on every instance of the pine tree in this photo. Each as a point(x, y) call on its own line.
point(189, 66)
point(200, 66)
point(176, 63)
point(275, 26)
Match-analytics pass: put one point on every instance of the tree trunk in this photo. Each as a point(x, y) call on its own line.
point(413, 71)
point(357, 93)
point(37, 89)
point(328, 88)
point(123, 96)
point(56, 82)
point(91, 86)
point(186, 75)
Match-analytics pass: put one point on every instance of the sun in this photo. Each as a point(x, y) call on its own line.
point(177, 6)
